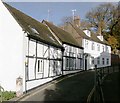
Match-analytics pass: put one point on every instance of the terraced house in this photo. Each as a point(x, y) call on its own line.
point(96, 49)
point(34, 52)
point(73, 51)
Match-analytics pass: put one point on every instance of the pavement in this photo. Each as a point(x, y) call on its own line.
point(111, 88)
point(74, 87)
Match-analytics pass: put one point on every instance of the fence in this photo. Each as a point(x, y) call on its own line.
point(100, 74)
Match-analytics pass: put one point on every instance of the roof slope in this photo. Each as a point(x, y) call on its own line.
point(93, 36)
point(63, 36)
point(35, 29)
point(80, 32)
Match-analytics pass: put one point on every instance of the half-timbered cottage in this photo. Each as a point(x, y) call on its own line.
point(28, 50)
point(73, 51)
point(33, 53)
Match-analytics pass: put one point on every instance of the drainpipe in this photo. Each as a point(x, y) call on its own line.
point(26, 61)
point(62, 59)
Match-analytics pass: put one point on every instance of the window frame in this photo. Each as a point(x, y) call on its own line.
point(40, 65)
point(98, 47)
point(93, 46)
point(98, 60)
point(107, 61)
point(103, 61)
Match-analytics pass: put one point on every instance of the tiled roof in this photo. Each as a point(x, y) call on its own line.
point(35, 29)
point(79, 31)
point(63, 36)
point(93, 36)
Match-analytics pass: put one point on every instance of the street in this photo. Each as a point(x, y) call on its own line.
point(69, 88)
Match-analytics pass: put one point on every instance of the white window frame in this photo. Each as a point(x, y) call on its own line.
point(98, 47)
point(103, 61)
point(103, 47)
point(93, 46)
point(86, 43)
point(40, 66)
point(107, 61)
point(98, 60)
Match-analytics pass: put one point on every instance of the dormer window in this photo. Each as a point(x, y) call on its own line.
point(33, 30)
point(87, 32)
point(100, 37)
point(51, 38)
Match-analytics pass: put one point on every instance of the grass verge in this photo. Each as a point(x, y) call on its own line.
point(7, 95)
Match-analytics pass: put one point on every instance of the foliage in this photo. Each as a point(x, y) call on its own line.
point(105, 19)
point(7, 95)
point(101, 16)
point(67, 19)
point(85, 25)
point(115, 25)
point(113, 42)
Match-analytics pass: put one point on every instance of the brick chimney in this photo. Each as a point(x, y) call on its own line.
point(77, 21)
point(99, 33)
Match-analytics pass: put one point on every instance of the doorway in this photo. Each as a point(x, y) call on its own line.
point(85, 63)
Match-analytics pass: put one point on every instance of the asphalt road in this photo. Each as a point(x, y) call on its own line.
point(69, 88)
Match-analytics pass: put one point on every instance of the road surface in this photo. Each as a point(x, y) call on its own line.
point(69, 88)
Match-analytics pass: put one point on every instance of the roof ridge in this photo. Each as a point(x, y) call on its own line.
point(65, 33)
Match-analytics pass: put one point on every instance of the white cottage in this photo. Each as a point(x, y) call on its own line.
point(73, 51)
point(33, 52)
point(96, 49)
point(28, 50)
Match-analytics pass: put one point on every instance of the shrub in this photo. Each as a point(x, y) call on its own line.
point(8, 95)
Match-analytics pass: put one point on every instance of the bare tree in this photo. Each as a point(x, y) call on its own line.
point(85, 25)
point(67, 19)
point(115, 25)
point(101, 16)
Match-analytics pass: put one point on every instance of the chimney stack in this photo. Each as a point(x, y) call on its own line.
point(77, 21)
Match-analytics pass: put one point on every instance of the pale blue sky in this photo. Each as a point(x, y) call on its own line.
point(58, 10)
point(62, 0)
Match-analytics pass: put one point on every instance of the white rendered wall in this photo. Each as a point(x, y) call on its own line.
point(48, 72)
point(11, 50)
point(77, 52)
point(96, 53)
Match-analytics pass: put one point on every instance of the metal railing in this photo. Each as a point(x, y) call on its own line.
point(1, 93)
point(100, 74)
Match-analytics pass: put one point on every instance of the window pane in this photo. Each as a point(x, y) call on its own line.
point(98, 60)
point(103, 62)
point(40, 66)
point(107, 61)
point(67, 62)
point(93, 46)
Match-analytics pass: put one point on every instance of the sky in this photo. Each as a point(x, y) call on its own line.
point(57, 10)
point(62, 0)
